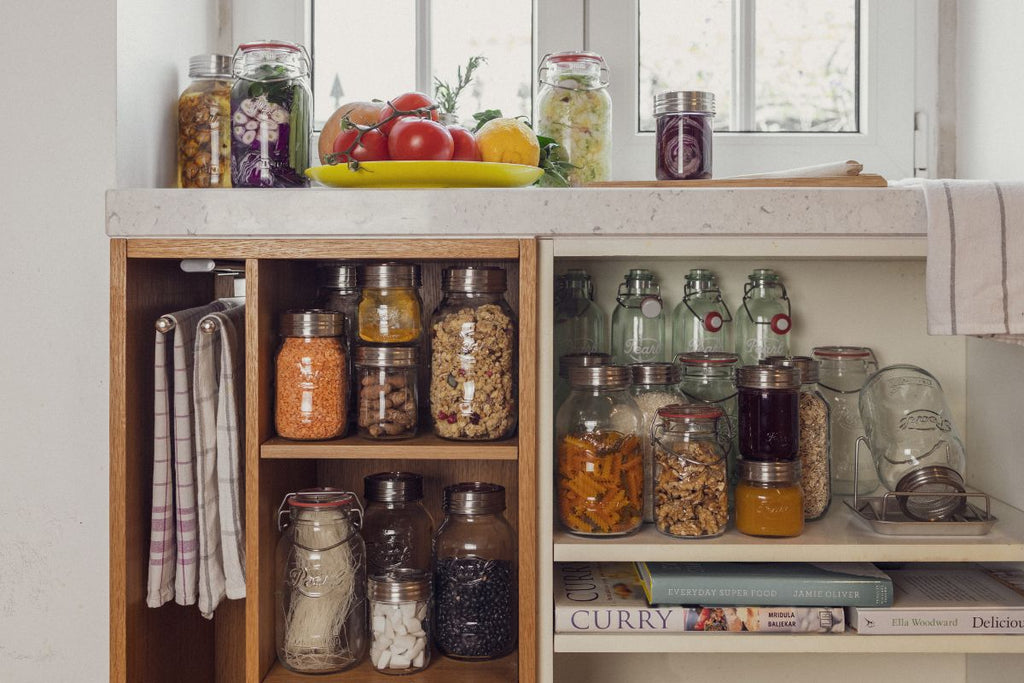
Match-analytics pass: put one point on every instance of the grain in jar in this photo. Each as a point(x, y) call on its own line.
point(311, 376)
point(654, 386)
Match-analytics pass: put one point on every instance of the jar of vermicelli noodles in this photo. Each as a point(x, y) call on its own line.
point(311, 376)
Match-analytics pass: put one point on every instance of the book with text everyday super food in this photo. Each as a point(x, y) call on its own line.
point(761, 583)
point(948, 599)
point(606, 597)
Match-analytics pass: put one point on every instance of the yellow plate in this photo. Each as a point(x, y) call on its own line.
point(426, 174)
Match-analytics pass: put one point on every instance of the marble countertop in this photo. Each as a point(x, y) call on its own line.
point(324, 212)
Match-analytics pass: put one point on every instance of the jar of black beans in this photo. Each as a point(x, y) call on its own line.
point(475, 582)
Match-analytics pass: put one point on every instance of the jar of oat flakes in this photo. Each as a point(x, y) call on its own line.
point(473, 367)
point(387, 402)
point(654, 386)
point(691, 497)
point(814, 445)
point(311, 376)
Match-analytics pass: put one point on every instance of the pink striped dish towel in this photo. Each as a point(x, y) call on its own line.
point(220, 434)
point(974, 274)
point(172, 545)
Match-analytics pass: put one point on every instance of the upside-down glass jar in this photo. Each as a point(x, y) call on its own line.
point(311, 381)
point(204, 124)
point(321, 578)
point(691, 492)
point(270, 115)
point(599, 478)
point(387, 405)
point(397, 528)
point(475, 574)
point(473, 365)
point(400, 614)
point(684, 134)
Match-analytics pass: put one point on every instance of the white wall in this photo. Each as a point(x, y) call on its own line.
point(58, 110)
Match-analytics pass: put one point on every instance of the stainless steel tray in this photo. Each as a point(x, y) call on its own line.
point(884, 516)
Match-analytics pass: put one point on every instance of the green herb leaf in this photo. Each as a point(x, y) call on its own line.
point(447, 96)
point(482, 117)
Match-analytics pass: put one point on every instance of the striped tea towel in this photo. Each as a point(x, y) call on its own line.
point(975, 268)
point(219, 386)
point(172, 547)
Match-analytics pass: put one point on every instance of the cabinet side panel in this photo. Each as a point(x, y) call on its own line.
point(118, 388)
point(528, 460)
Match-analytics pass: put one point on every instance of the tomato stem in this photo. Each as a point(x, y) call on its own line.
point(335, 158)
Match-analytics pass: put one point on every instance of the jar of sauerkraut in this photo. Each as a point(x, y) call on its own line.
point(576, 111)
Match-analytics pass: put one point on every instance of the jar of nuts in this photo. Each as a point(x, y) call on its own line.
point(311, 376)
point(204, 124)
point(387, 405)
point(691, 498)
point(473, 334)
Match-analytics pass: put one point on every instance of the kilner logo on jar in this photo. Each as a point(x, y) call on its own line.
point(924, 421)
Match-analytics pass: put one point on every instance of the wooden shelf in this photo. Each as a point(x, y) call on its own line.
point(776, 643)
point(840, 537)
point(421, 447)
point(441, 670)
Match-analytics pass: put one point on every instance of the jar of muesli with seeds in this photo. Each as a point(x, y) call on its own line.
point(473, 381)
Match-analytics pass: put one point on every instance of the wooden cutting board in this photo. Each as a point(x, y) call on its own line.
point(862, 180)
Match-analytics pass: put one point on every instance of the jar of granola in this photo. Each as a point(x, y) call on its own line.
point(387, 402)
point(691, 498)
point(311, 376)
point(473, 333)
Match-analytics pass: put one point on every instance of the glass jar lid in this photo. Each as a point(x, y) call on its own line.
point(573, 70)
point(684, 102)
point(337, 275)
point(842, 352)
point(292, 56)
point(322, 504)
point(654, 373)
point(474, 279)
point(707, 359)
point(764, 276)
point(314, 322)
point(384, 275)
point(689, 412)
point(393, 487)
point(386, 356)
point(783, 472)
point(209, 66)
point(474, 498)
point(935, 493)
point(767, 377)
point(807, 366)
point(601, 377)
point(400, 585)
point(582, 360)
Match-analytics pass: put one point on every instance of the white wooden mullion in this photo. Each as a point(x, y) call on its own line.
point(744, 77)
point(424, 69)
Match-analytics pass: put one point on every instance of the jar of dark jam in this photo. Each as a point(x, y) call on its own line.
point(684, 119)
point(769, 412)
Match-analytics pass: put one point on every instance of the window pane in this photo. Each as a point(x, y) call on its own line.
point(685, 45)
point(361, 59)
point(806, 65)
point(500, 32)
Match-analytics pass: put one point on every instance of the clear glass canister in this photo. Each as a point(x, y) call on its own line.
point(400, 613)
point(914, 442)
point(764, 323)
point(397, 528)
point(691, 492)
point(270, 116)
point(638, 322)
point(475, 574)
point(684, 134)
point(842, 372)
point(580, 324)
point(575, 109)
point(473, 368)
point(311, 378)
point(654, 386)
point(769, 500)
point(337, 291)
point(710, 377)
point(321, 578)
point(204, 124)
point(702, 321)
point(388, 405)
point(768, 401)
point(390, 308)
point(575, 360)
point(599, 482)
point(815, 444)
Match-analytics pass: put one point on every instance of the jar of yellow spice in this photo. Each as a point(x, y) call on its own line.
point(390, 310)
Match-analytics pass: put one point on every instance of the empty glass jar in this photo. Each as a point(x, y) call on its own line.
point(764, 321)
point(580, 324)
point(701, 322)
point(397, 528)
point(638, 321)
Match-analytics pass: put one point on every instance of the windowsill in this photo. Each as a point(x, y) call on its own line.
point(324, 212)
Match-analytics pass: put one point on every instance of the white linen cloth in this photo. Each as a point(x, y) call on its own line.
point(172, 546)
point(974, 274)
point(220, 434)
point(829, 170)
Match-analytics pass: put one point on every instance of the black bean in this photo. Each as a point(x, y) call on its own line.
point(476, 607)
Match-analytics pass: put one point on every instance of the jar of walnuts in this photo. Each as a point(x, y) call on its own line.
point(691, 499)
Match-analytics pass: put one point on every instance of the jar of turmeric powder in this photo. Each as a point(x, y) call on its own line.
point(769, 500)
point(599, 482)
point(390, 309)
point(311, 376)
